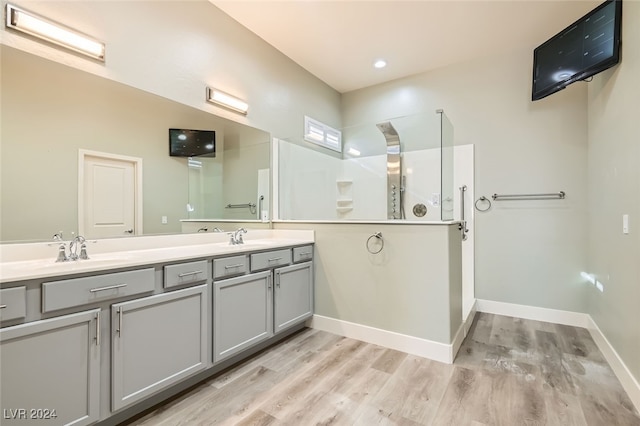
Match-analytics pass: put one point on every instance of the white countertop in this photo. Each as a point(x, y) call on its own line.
point(167, 249)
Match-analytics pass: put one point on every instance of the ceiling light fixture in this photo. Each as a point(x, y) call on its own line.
point(226, 100)
point(380, 63)
point(52, 32)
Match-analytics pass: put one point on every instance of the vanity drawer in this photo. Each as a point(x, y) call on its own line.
point(230, 266)
point(302, 254)
point(98, 288)
point(13, 303)
point(185, 273)
point(270, 259)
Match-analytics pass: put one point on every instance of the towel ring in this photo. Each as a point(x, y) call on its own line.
point(484, 200)
point(378, 237)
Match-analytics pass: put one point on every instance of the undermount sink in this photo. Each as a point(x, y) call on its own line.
point(42, 264)
point(256, 243)
point(247, 244)
point(101, 258)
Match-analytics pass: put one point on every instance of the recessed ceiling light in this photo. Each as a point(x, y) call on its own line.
point(380, 63)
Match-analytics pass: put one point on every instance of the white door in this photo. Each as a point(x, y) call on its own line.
point(109, 196)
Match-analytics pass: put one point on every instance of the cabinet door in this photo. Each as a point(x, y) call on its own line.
point(242, 309)
point(51, 371)
point(157, 341)
point(293, 297)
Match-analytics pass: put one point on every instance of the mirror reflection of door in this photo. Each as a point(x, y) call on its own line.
point(109, 194)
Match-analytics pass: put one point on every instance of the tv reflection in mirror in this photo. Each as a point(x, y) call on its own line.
point(192, 143)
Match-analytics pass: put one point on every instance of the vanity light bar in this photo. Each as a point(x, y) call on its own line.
point(45, 29)
point(226, 100)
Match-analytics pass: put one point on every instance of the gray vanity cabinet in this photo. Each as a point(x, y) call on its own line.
point(293, 295)
point(242, 309)
point(156, 342)
point(51, 371)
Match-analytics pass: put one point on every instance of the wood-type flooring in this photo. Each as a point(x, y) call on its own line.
point(509, 371)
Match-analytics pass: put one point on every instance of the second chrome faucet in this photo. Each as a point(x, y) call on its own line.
point(236, 236)
point(78, 241)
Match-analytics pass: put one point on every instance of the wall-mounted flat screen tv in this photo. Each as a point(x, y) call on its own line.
point(192, 143)
point(586, 47)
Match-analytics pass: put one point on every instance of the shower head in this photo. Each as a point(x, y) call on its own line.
point(389, 132)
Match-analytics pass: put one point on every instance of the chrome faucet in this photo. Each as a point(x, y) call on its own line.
point(73, 248)
point(83, 251)
point(236, 236)
point(62, 248)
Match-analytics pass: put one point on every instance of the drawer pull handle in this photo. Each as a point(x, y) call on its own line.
point(110, 287)
point(305, 254)
point(3, 306)
point(239, 265)
point(273, 259)
point(186, 274)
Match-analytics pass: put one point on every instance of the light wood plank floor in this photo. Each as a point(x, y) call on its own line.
point(509, 371)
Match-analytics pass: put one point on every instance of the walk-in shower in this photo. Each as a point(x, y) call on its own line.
point(395, 177)
point(393, 169)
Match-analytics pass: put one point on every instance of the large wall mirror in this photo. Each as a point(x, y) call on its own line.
point(51, 114)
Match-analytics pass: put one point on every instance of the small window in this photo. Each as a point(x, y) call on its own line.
point(321, 134)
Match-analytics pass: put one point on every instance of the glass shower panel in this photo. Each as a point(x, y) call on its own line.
point(205, 187)
point(319, 184)
point(446, 158)
point(307, 181)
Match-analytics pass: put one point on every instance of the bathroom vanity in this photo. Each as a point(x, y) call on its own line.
point(102, 339)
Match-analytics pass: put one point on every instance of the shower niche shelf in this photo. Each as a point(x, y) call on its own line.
point(344, 205)
point(344, 196)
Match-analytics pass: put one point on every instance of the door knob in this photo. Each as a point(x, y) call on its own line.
point(129, 231)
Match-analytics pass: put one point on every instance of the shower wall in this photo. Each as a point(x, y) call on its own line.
point(315, 186)
point(356, 185)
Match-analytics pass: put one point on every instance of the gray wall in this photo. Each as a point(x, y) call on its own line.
point(49, 111)
point(412, 287)
point(527, 252)
point(614, 190)
point(176, 48)
point(150, 49)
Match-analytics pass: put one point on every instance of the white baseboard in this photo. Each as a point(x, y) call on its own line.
point(469, 320)
point(414, 345)
point(457, 341)
point(576, 319)
point(629, 383)
point(556, 316)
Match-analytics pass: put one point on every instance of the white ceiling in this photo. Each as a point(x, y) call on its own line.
point(338, 41)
